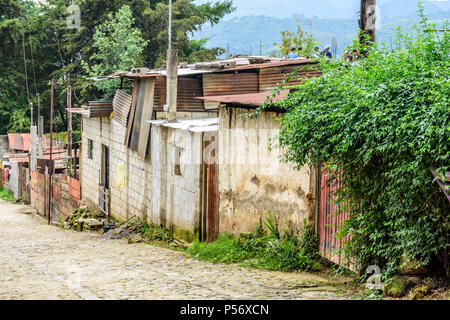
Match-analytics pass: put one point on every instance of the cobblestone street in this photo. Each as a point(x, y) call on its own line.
point(38, 261)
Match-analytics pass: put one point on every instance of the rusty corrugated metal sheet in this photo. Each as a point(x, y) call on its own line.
point(251, 99)
point(15, 141)
point(26, 141)
point(217, 84)
point(331, 218)
point(189, 89)
point(269, 78)
point(160, 94)
point(274, 64)
point(121, 106)
point(98, 109)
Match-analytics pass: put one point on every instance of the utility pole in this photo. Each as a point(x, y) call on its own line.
point(260, 47)
point(368, 18)
point(172, 74)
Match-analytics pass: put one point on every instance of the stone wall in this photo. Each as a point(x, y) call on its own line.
point(252, 180)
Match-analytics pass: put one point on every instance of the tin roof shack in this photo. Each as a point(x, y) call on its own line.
point(120, 173)
point(19, 145)
point(184, 197)
point(252, 180)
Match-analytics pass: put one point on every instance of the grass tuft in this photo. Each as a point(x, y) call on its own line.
point(7, 195)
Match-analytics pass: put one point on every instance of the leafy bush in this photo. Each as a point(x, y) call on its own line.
point(7, 195)
point(383, 123)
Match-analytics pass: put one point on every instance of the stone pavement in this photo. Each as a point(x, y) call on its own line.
point(38, 261)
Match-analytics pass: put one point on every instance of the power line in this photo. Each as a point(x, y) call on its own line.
point(25, 64)
point(32, 64)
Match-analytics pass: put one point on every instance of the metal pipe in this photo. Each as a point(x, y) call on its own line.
point(170, 24)
point(50, 171)
point(69, 118)
point(39, 105)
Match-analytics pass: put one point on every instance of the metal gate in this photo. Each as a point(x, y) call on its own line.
point(104, 200)
point(104, 195)
point(330, 217)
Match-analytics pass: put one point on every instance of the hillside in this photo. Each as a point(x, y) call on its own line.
point(243, 33)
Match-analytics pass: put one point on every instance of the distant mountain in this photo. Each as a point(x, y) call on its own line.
point(242, 34)
point(327, 9)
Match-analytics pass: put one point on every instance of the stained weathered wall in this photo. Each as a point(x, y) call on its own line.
point(150, 188)
point(66, 196)
point(252, 180)
point(176, 197)
point(131, 191)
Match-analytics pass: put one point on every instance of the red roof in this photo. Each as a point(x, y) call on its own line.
point(250, 99)
point(19, 141)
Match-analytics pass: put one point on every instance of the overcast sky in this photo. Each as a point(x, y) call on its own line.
point(319, 8)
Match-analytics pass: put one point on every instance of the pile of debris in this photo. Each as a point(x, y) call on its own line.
point(83, 219)
point(130, 229)
point(135, 230)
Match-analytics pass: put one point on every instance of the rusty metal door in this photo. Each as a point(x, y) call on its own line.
point(331, 217)
point(210, 219)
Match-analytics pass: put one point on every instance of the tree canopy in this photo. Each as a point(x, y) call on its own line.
point(54, 51)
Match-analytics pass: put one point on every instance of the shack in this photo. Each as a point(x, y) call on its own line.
point(135, 163)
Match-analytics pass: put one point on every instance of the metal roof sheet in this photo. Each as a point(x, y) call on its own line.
point(193, 125)
point(251, 99)
point(19, 141)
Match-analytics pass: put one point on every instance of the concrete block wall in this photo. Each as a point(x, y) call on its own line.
point(127, 200)
point(176, 199)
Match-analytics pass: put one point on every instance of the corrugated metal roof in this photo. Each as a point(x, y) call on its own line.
point(300, 61)
point(230, 83)
point(26, 141)
point(193, 125)
point(19, 141)
point(121, 107)
point(197, 69)
point(252, 99)
point(189, 88)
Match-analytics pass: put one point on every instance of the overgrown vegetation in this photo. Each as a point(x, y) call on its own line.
point(267, 250)
point(7, 195)
point(382, 123)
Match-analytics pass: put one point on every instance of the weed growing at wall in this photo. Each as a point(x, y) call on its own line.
point(271, 252)
point(7, 195)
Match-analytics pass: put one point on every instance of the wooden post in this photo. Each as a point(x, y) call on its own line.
point(172, 83)
point(368, 18)
point(69, 119)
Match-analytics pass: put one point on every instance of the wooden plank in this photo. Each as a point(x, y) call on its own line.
point(135, 132)
point(147, 113)
point(132, 112)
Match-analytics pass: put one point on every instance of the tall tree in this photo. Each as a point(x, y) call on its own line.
point(54, 51)
point(119, 47)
